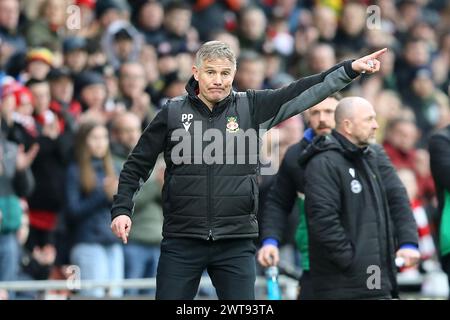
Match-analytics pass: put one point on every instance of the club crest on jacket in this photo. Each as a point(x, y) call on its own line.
point(232, 124)
point(355, 186)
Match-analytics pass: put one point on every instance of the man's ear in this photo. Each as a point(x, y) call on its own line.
point(195, 72)
point(348, 126)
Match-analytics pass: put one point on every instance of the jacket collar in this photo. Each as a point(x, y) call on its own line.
point(334, 141)
point(192, 90)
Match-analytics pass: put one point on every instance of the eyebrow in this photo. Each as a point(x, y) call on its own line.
point(212, 68)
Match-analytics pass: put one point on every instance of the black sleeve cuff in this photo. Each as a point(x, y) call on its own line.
point(348, 69)
point(117, 212)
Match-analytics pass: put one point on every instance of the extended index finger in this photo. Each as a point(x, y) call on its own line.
point(378, 53)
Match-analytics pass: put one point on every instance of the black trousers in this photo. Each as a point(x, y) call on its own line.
point(445, 263)
point(305, 287)
point(230, 264)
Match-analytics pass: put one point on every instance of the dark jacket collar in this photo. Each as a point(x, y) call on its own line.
point(192, 90)
point(334, 141)
point(348, 147)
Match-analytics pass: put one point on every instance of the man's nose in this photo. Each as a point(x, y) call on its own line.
point(321, 117)
point(375, 124)
point(218, 79)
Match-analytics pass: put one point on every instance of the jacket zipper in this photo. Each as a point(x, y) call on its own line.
point(379, 200)
point(209, 191)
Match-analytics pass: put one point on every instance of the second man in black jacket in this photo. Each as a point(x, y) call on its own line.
point(358, 213)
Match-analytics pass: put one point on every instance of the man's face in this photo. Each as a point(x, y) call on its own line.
point(321, 116)
point(94, 96)
point(404, 136)
point(128, 132)
point(9, 14)
point(250, 75)
point(38, 69)
point(41, 95)
point(76, 60)
point(132, 80)
point(62, 89)
point(215, 79)
point(123, 48)
point(364, 125)
point(98, 142)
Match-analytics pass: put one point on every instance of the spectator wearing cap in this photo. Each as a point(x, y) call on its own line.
point(90, 90)
point(62, 102)
point(46, 31)
point(8, 87)
point(121, 43)
point(11, 42)
point(96, 55)
point(23, 130)
point(75, 54)
point(39, 63)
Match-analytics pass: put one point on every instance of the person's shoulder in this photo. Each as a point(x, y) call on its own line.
point(439, 135)
point(376, 149)
point(295, 150)
point(325, 158)
point(178, 100)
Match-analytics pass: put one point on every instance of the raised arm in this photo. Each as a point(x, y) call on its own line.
point(270, 107)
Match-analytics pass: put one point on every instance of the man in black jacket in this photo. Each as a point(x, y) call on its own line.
point(439, 147)
point(210, 192)
point(287, 189)
point(357, 210)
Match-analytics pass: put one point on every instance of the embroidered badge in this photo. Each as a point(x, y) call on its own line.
point(232, 124)
point(355, 186)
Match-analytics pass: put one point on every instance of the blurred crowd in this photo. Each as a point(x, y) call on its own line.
point(81, 79)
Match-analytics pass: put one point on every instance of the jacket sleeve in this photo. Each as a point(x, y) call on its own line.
point(280, 201)
point(323, 210)
point(270, 107)
point(405, 226)
point(140, 164)
point(24, 183)
point(439, 147)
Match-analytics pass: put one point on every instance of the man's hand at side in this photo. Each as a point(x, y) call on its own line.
point(268, 255)
point(121, 226)
point(411, 257)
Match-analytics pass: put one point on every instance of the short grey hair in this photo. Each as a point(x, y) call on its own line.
point(212, 50)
